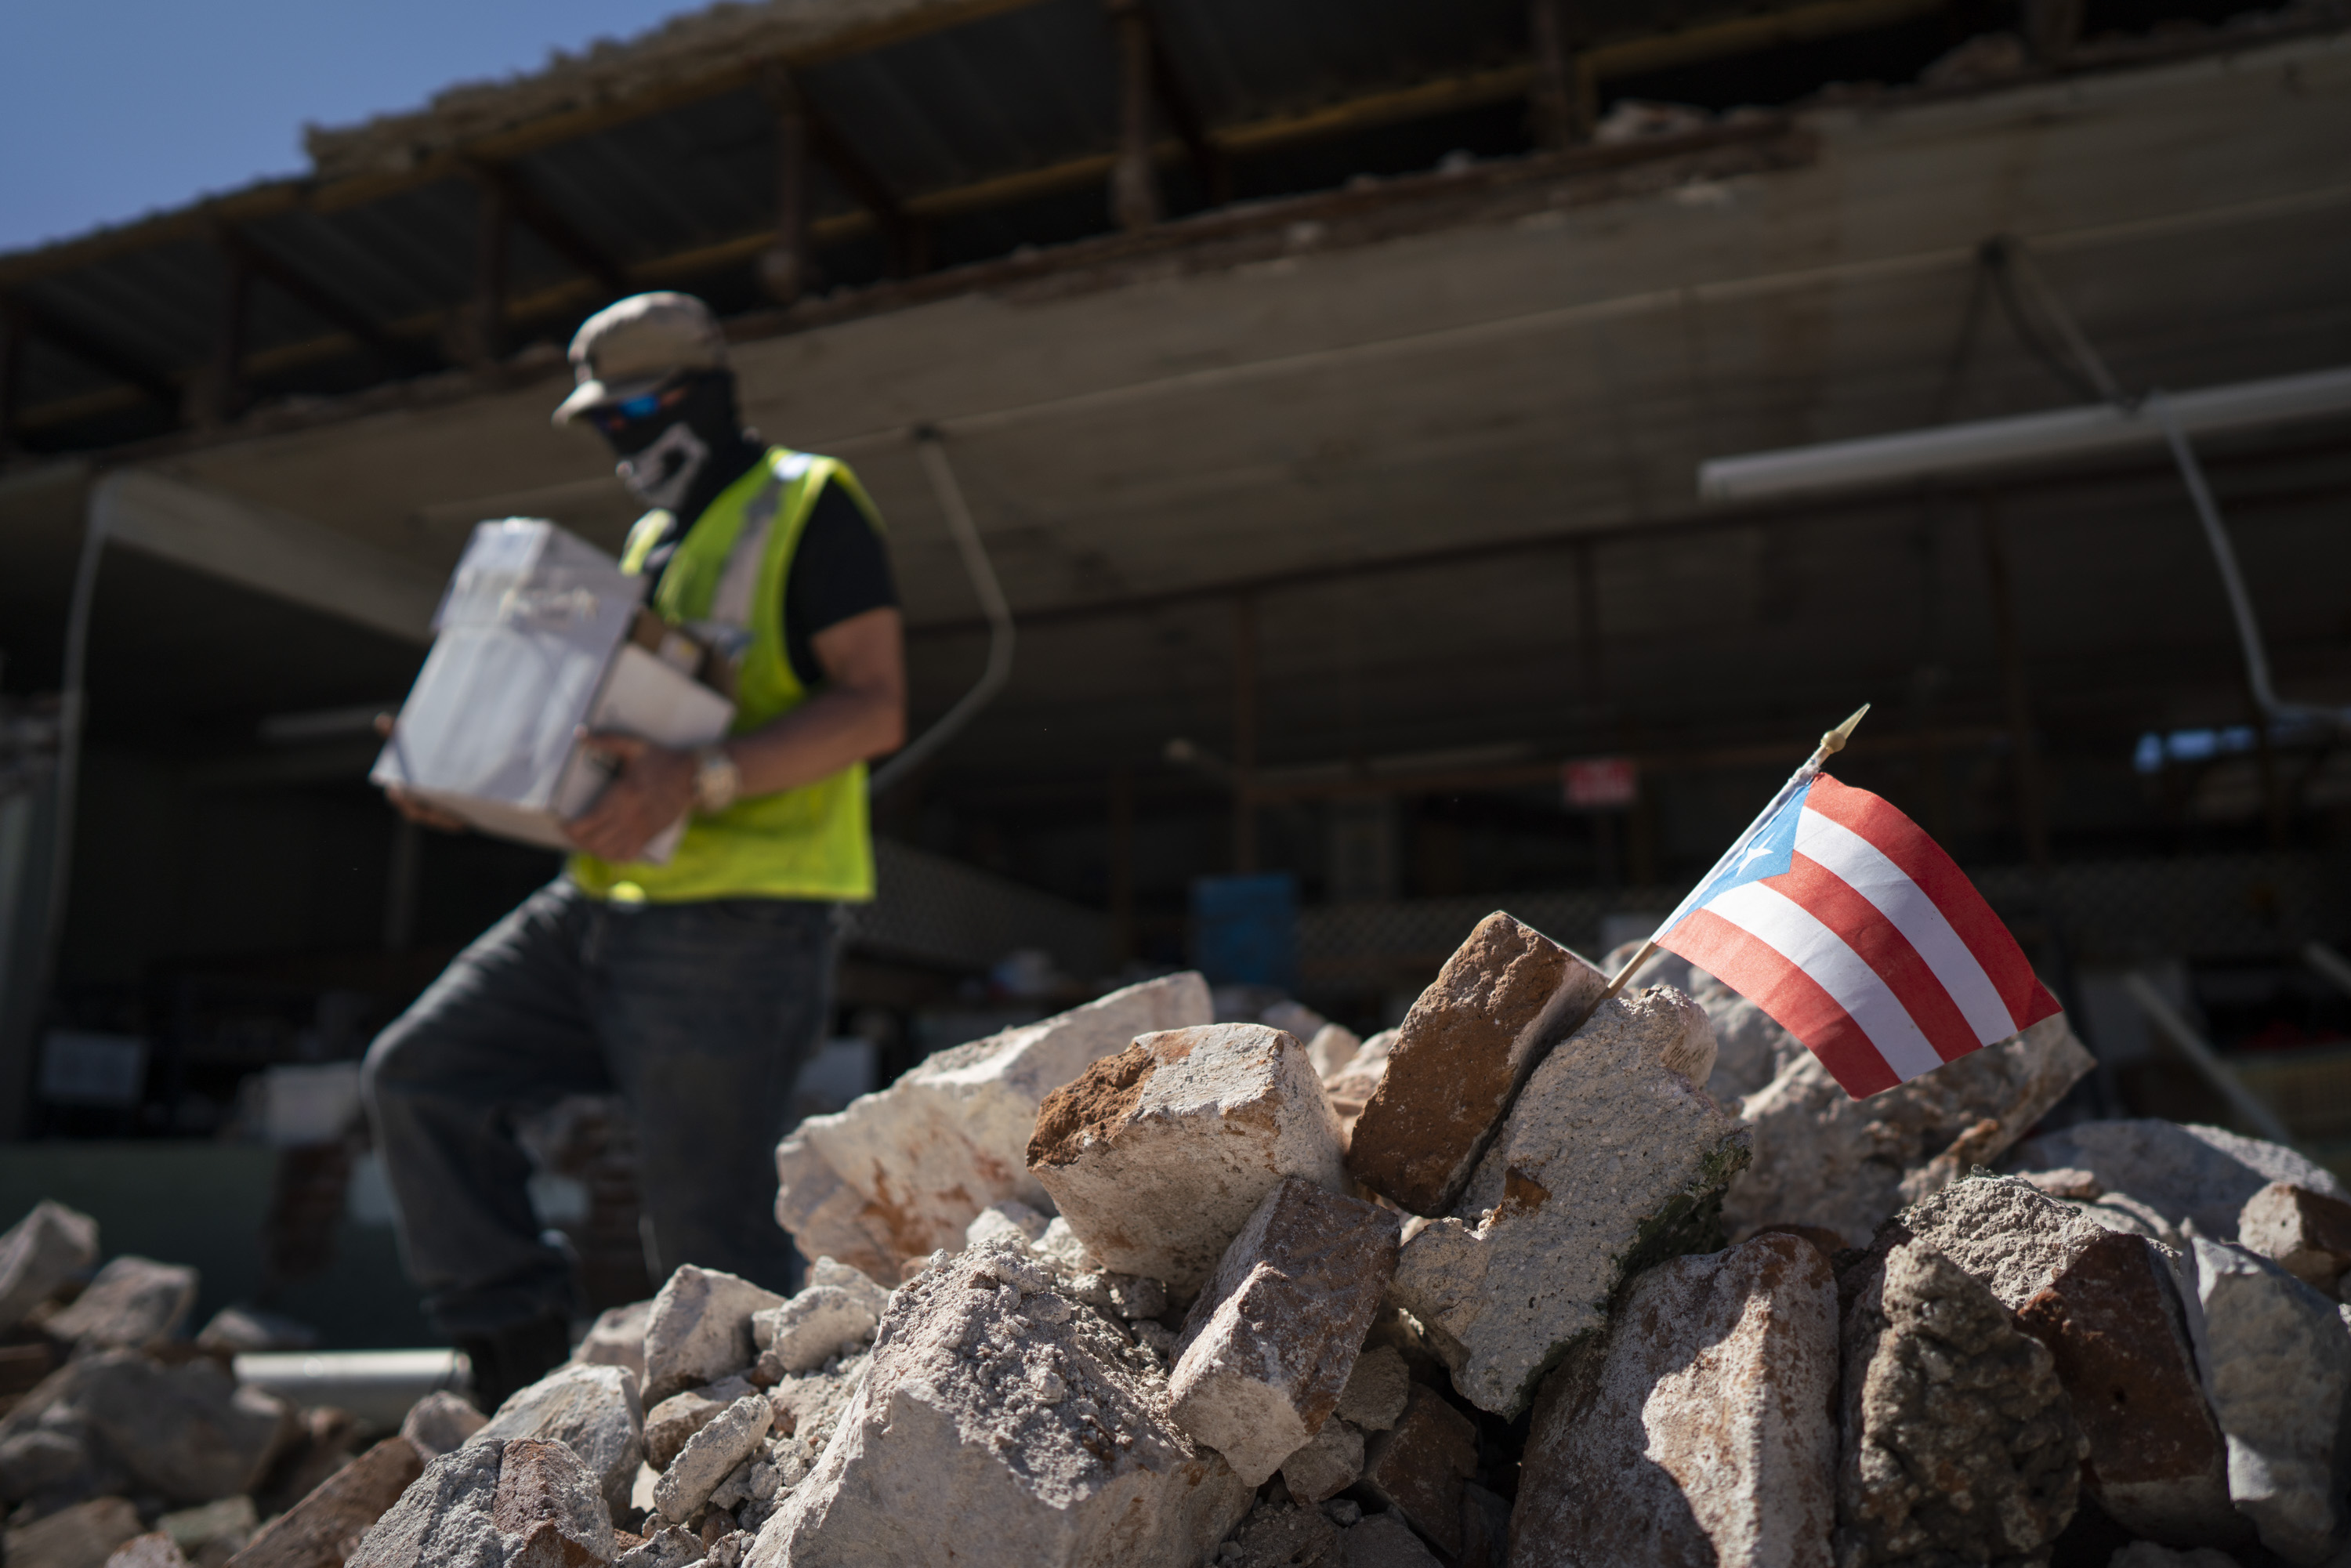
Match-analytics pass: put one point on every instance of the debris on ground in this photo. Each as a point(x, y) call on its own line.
point(1638, 1294)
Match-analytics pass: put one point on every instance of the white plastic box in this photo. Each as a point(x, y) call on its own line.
point(531, 645)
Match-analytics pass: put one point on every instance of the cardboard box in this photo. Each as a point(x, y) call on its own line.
point(539, 636)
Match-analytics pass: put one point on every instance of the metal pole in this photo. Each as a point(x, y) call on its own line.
point(2201, 1057)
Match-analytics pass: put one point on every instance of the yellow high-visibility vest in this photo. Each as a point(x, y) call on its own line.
point(725, 584)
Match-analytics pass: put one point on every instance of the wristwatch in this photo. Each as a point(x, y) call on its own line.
point(716, 780)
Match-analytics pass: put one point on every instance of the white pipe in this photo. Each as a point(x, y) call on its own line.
point(2201, 1056)
point(1952, 450)
point(933, 455)
point(376, 1386)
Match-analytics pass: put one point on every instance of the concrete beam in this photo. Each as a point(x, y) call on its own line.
point(266, 550)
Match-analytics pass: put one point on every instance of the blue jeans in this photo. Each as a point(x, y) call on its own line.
point(697, 1015)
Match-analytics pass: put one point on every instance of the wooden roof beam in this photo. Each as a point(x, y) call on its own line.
point(92, 351)
point(1210, 165)
point(390, 353)
point(531, 210)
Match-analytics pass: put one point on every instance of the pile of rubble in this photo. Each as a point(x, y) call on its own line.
point(1508, 1284)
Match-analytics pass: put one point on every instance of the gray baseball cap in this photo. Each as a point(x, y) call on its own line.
point(631, 346)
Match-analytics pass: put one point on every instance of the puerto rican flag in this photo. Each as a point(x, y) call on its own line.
point(1843, 920)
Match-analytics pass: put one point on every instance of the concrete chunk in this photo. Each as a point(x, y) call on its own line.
point(1699, 1430)
point(1279, 1535)
point(440, 1422)
point(836, 1314)
point(2003, 1231)
point(2117, 1337)
point(1375, 1389)
point(2277, 1368)
point(900, 1174)
point(1267, 1348)
point(997, 1414)
point(2307, 1233)
point(672, 1547)
point(594, 1409)
point(1007, 1218)
point(1418, 1467)
point(1328, 1465)
point(133, 1303)
point(1612, 1159)
point(2182, 1170)
point(1825, 1160)
point(40, 1252)
point(727, 1439)
point(549, 1508)
point(617, 1338)
point(319, 1531)
point(155, 1551)
point(1958, 1443)
point(1156, 1156)
point(1458, 1057)
point(187, 1432)
point(699, 1330)
point(670, 1424)
point(82, 1536)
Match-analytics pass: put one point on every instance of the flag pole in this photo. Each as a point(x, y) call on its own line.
point(1832, 742)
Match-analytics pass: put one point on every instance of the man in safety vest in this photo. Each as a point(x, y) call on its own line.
point(692, 988)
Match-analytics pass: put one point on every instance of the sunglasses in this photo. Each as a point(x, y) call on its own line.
point(627, 412)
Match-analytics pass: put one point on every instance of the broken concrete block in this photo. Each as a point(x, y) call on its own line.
point(1612, 1159)
point(807, 1407)
point(186, 1432)
point(617, 1338)
point(1381, 1541)
point(40, 1252)
point(156, 1551)
point(82, 1536)
point(1418, 1466)
point(1330, 1047)
point(1012, 1415)
point(1357, 1079)
point(523, 1503)
point(1700, 1429)
point(672, 1547)
point(1157, 1155)
point(1278, 1535)
point(1328, 1465)
point(549, 1508)
point(1998, 1230)
point(670, 1424)
point(440, 1422)
point(699, 1330)
point(2305, 1233)
point(250, 1331)
point(595, 1409)
point(319, 1531)
point(1957, 1437)
point(1750, 1047)
point(836, 1314)
point(1268, 1346)
point(39, 1458)
point(1375, 1389)
point(212, 1532)
point(2118, 1336)
point(1009, 1218)
point(900, 1174)
point(1827, 1160)
point(2183, 1171)
point(1460, 1055)
point(2277, 1368)
point(727, 1439)
point(133, 1303)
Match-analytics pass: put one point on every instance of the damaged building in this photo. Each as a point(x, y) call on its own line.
point(1328, 440)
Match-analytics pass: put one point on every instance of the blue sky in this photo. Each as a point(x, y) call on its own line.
point(109, 109)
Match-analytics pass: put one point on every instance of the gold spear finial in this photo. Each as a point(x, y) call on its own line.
point(1834, 741)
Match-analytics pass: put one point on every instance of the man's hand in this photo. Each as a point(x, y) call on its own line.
point(418, 811)
point(654, 788)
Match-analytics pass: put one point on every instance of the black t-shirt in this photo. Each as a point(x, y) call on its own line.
point(840, 569)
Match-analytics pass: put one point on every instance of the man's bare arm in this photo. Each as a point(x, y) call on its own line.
point(860, 713)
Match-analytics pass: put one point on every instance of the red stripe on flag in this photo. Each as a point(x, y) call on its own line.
point(1833, 901)
point(1793, 999)
point(1922, 860)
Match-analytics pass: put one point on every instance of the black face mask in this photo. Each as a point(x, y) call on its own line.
point(687, 453)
